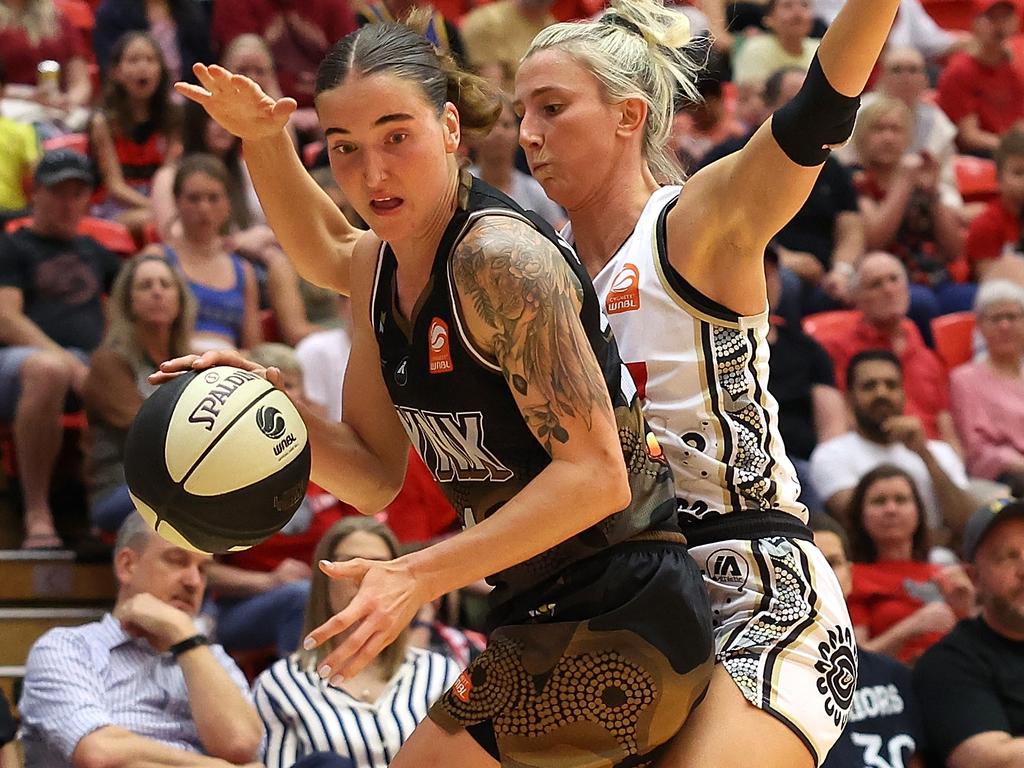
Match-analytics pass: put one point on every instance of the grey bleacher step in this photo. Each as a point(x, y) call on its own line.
point(21, 627)
point(53, 576)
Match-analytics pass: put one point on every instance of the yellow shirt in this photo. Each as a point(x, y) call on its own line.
point(498, 32)
point(19, 154)
point(761, 56)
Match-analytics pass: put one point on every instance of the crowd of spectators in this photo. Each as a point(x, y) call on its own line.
point(131, 233)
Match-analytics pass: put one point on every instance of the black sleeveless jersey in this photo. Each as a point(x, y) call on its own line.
point(461, 417)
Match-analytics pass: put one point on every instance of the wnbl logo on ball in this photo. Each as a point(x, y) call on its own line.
point(272, 424)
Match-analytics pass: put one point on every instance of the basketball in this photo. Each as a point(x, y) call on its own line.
point(217, 460)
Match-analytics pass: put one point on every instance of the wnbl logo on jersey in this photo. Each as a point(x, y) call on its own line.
point(452, 445)
point(439, 350)
point(624, 295)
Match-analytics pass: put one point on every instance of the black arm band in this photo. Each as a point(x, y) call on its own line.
point(817, 119)
point(188, 644)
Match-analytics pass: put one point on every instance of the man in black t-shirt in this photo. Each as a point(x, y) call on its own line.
point(884, 729)
point(51, 318)
point(811, 409)
point(971, 683)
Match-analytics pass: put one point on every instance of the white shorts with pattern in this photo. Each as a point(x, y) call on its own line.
point(783, 633)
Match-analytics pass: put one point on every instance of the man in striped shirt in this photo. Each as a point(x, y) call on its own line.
point(141, 686)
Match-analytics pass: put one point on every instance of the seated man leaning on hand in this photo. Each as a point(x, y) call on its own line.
point(141, 686)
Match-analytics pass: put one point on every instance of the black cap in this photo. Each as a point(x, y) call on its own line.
point(982, 521)
point(62, 165)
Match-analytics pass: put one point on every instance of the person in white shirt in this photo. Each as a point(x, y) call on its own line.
point(324, 357)
point(885, 435)
point(367, 717)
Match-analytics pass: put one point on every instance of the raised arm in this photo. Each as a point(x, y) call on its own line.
point(521, 303)
point(731, 209)
point(314, 234)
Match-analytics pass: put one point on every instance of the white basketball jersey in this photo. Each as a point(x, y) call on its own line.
point(702, 372)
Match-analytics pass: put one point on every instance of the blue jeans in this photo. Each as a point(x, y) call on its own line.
point(274, 618)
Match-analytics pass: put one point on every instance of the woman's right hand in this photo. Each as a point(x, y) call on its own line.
point(237, 103)
point(171, 369)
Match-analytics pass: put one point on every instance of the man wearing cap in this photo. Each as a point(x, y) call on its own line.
point(979, 89)
point(51, 318)
point(971, 683)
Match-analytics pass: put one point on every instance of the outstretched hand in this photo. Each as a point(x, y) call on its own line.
point(387, 600)
point(237, 103)
point(171, 369)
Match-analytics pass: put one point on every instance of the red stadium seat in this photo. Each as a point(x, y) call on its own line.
point(954, 338)
point(827, 324)
point(976, 178)
point(111, 235)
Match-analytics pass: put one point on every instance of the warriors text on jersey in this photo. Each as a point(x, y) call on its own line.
point(461, 417)
point(702, 372)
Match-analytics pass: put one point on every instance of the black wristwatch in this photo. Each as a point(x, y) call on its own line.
point(188, 644)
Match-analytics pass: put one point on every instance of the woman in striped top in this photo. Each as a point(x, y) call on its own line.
point(369, 716)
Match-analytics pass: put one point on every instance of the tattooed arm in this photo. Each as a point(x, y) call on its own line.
point(520, 302)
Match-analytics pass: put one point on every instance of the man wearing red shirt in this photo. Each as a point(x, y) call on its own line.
point(996, 231)
point(980, 90)
point(299, 35)
point(880, 291)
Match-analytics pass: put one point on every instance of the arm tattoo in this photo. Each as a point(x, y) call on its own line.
point(523, 290)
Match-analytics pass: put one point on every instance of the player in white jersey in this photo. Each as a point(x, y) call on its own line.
point(680, 271)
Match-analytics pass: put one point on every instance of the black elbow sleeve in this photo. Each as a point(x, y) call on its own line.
point(817, 120)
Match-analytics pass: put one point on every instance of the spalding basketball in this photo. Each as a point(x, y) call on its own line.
point(217, 460)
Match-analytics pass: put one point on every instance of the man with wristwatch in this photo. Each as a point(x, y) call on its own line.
point(143, 685)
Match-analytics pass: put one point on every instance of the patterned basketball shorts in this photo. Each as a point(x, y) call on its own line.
point(783, 632)
point(603, 669)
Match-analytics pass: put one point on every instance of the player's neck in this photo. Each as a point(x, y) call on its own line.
point(602, 223)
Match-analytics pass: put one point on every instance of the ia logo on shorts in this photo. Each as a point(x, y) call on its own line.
point(728, 567)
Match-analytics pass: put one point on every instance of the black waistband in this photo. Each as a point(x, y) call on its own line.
point(745, 525)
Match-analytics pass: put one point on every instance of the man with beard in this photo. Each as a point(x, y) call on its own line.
point(142, 686)
point(969, 683)
point(884, 434)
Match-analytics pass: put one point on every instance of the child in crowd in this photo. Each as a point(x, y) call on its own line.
point(993, 241)
point(136, 130)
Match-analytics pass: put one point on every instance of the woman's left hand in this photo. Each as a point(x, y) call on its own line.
point(171, 369)
point(387, 601)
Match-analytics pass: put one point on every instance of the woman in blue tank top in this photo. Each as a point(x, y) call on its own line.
point(223, 283)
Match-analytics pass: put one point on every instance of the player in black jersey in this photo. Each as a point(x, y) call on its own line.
point(478, 336)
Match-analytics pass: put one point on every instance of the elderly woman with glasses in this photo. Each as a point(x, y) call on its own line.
point(988, 395)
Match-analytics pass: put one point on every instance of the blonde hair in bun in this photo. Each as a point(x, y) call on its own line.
point(637, 49)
